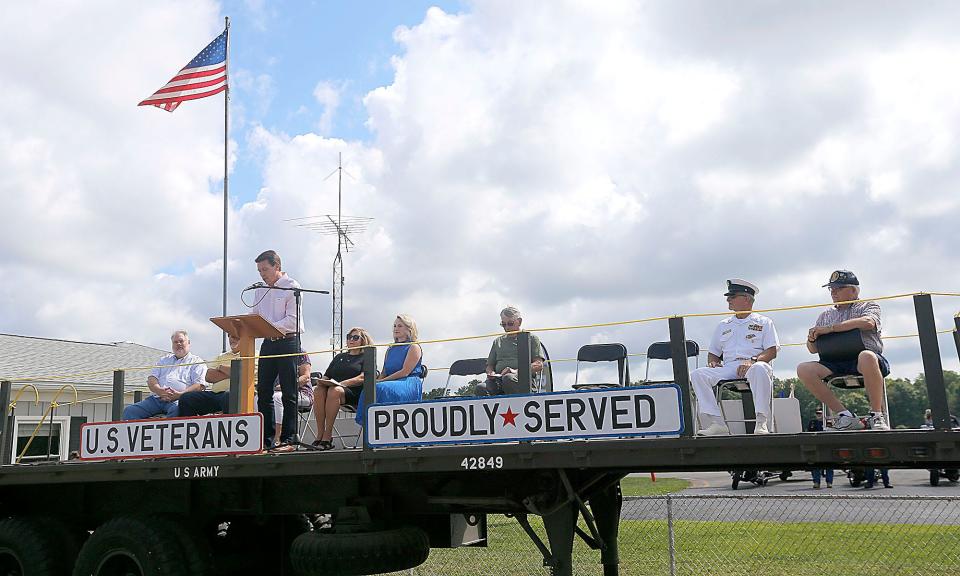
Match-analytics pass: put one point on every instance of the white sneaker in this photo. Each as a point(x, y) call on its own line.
point(715, 429)
point(844, 422)
point(761, 427)
point(878, 421)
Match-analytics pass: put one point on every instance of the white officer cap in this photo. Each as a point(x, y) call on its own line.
point(740, 286)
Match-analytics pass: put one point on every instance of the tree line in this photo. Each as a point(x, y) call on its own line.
point(906, 398)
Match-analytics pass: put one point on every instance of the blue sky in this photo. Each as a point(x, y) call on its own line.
point(348, 44)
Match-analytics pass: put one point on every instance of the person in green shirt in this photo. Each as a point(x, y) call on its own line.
point(504, 358)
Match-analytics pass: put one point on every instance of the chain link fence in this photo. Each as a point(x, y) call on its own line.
point(691, 535)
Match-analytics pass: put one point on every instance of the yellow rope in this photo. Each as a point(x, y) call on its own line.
point(495, 334)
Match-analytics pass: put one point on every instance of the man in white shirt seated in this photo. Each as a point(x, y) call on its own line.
point(175, 374)
point(743, 346)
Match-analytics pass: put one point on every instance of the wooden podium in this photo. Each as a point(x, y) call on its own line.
point(248, 328)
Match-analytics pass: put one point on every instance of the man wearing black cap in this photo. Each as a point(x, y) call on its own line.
point(870, 363)
point(742, 347)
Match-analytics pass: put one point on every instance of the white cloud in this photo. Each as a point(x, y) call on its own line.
point(327, 94)
point(588, 162)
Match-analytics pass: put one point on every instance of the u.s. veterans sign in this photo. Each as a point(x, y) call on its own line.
point(644, 411)
point(195, 436)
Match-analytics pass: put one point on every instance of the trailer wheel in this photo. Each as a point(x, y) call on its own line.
point(270, 536)
point(132, 546)
point(65, 537)
point(194, 545)
point(359, 553)
point(934, 477)
point(736, 480)
point(953, 474)
point(856, 477)
point(25, 549)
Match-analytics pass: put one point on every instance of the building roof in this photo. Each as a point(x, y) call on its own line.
point(84, 364)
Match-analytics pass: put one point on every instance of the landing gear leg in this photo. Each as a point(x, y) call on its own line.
point(606, 512)
point(559, 524)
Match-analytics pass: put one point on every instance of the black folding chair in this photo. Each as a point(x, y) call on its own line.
point(661, 351)
point(612, 352)
point(741, 387)
point(465, 367)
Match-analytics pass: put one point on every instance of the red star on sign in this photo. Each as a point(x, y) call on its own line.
point(509, 416)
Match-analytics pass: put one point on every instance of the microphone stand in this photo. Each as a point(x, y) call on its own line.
point(297, 292)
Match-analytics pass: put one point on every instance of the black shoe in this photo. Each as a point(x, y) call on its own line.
point(888, 485)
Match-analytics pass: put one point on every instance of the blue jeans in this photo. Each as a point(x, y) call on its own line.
point(817, 472)
point(150, 406)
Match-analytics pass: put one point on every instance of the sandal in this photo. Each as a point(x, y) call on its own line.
point(323, 445)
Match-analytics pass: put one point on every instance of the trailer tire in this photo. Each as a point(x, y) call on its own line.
point(270, 536)
point(132, 545)
point(195, 546)
point(66, 538)
point(314, 553)
point(25, 549)
point(934, 477)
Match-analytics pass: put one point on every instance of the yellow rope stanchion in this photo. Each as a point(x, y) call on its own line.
point(16, 398)
point(50, 408)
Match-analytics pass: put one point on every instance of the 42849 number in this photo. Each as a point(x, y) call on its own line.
point(491, 463)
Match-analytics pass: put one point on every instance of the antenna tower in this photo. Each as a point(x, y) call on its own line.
point(343, 227)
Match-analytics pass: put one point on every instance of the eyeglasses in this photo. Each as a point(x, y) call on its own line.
point(833, 289)
point(353, 337)
point(509, 324)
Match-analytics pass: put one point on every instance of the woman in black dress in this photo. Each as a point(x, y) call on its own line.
point(341, 385)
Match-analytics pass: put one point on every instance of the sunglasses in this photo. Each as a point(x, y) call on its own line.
point(509, 324)
point(353, 337)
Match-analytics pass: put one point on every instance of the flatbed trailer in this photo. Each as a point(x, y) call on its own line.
point(370, 510)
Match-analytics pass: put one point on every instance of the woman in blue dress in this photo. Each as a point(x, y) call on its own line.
point(402, 377)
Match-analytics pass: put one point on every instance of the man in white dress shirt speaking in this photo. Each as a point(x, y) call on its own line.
point(742, 347)
point(277, 303)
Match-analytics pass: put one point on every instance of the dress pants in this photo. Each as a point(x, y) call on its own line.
point(268, 369)
point(759, 376)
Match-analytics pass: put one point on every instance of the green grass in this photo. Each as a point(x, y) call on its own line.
point(723, 548)
point(642, 486)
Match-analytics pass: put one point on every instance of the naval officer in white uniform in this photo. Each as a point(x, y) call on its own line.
point(742, 347)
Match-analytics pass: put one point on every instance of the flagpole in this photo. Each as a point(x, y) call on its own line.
point(226, 188)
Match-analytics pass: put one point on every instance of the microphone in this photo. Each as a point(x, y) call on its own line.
point(254, 285)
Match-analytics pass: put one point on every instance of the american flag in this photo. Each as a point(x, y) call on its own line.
point(204, 76)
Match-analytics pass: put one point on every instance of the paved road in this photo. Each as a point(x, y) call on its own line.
point(905, 483)
point(912, 500)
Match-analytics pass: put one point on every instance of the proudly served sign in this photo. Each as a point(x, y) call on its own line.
point(156, 438)
point(643, 411)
